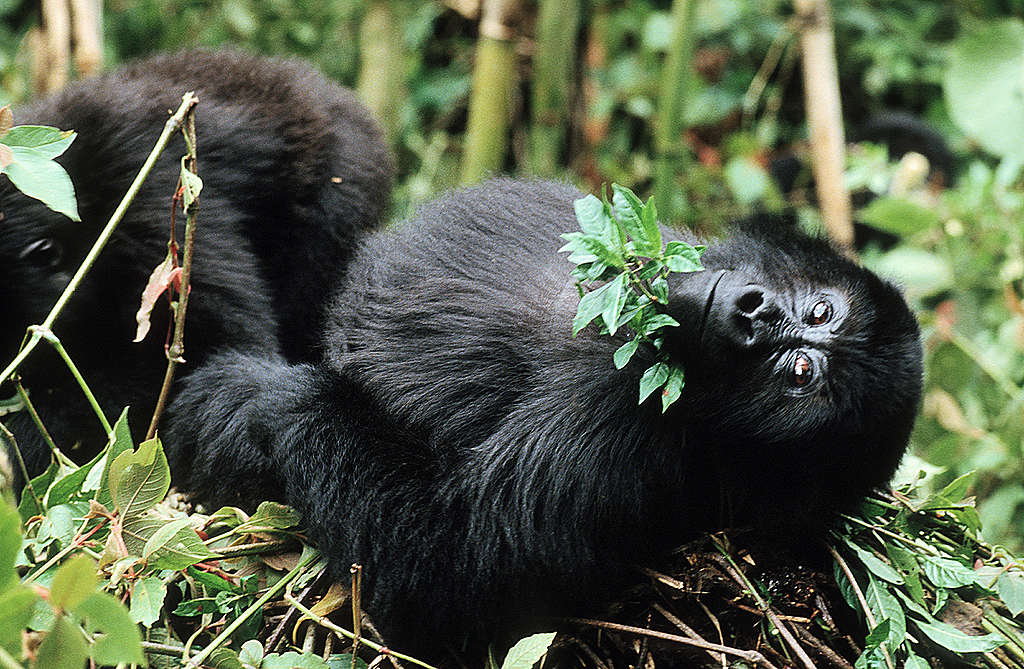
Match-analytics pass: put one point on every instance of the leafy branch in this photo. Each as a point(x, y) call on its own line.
point(620, 246)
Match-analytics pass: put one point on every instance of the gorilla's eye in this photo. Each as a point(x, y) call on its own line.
point(42, 253)
point(803, 370)
point(821, 313)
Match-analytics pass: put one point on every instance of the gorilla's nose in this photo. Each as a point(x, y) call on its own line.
point(748, 313)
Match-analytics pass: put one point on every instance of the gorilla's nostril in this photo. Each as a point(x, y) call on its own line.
point(748, 302)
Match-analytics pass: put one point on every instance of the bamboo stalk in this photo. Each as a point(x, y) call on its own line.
point(676, 83)
point(553, 64)
point(382, 70)
point(491, 98)
point(825, 118)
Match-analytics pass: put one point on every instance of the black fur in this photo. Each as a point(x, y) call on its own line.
point(486, 468)
point(294, 169)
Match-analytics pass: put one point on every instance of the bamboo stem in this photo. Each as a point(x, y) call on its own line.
point(382, 69)
point(553, 64)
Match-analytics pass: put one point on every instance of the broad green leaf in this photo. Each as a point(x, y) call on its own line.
point(873, 657)
point(175, 546)
point(946, 573)
point(654, 378)
point(886, 607)
point(139, 480)
point(120, 441)
point(62, 648)
point(988, 108)
point(344, 661)
point(748, 181)
point(682, 257)
point(655, 322)
point(58, 524)
point(603, 251)
point(1010, 586)
point(875, 565)
point(117, 638)
point(39, 177)
point(50, 142)
point(649, 219)
point(224, 658)
point(526, 652)
point(593, 304)
point(630, 212)
point(916, 662)
point(28, 505)
point(845, 589)
point(293, 660)
point(197, 606)
point(138, 530)
point(590, 214)
point(953, 639)
point(899, 216)
point(17, 604)
point(271, 516)
point(213, 582)
point(251, 652)
point(920, 272)
point(673, 388)
point(616, 300)
point(147, 600)
point(74, 582)
point(625, 352)
point(10, 544)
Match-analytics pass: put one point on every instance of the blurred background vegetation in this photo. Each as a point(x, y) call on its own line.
point(574, 90)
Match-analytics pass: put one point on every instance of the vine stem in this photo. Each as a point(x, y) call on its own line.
point(174, 123)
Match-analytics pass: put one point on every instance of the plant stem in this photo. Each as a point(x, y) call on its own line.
point(8, 662)
point(173, 123)
point(676, 84)
point(197, 660)
point(9, 437)
point(553, 63)
point(177, 348)
point(45, 333)
point(34, 415)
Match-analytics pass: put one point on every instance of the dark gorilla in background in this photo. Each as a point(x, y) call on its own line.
point(486, 468)
point(294, 169)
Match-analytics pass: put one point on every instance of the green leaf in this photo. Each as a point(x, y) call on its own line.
point(175, 546)
point(251, 652)
point(875, 565)
point(630, 212)
point(594, 304)
point(191, 185)
point(1010, 586)
point(673, 387)
point(526, 652)
point(916, 662)
point(655, 321)
point(147, 600)
point(988, 108)
point(898, 216)
point(654, 378)
point(747, 179)
point(117, 637)
point(886, 607)
point(590, 214)
point(138, 530)
point(74, 581)
point(625, 352)
point(139, 480)
point(344, 661)
point(18, 604)
point(39, 177)
point(615, 302)
point(62, 648)
point(10, 544)
point(682, 257)
point(28, 507)
point(946, 573)
point(293, 660)
point(121, 441)
point(48, 141)
point(197, 606)
point(271, 516)
point(953, 639)
point(224, 658)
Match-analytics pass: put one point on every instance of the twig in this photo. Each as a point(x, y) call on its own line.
point(725, 562)
point(9, 438)
point(26, 402)
point(177, 348)
point(832, 656)
point(292, 613)
point(173, 124)
point(357, 616)
point(749, 655)
point(52, 340)
point(327, 624)
point(162, 648)
point(689, 631)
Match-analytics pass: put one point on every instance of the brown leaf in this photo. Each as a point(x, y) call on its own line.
point(6, 119)
point(163, 275)
point(6, 156)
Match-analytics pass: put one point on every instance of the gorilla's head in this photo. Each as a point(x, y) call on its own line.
point(802, 369)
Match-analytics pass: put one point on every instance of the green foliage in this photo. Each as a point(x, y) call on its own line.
point(27, 158)
point(621, 245)
point(528, 651)
point(915, 558)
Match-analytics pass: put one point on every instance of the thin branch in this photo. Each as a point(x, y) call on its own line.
point(52, 340)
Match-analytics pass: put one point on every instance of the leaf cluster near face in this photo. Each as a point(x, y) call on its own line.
point(27, 155)
point(620, 247)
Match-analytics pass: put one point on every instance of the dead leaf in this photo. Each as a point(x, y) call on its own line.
point(163, 275)
point(6, 119)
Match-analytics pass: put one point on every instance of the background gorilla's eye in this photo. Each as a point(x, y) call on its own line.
point(42, 253)
point(821, 313)
point(803, 371)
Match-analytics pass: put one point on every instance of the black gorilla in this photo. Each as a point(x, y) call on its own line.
point(487, 468)
point(294, 170)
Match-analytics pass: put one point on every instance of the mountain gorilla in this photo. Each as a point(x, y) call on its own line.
point(294, 170)
point(487, 468)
